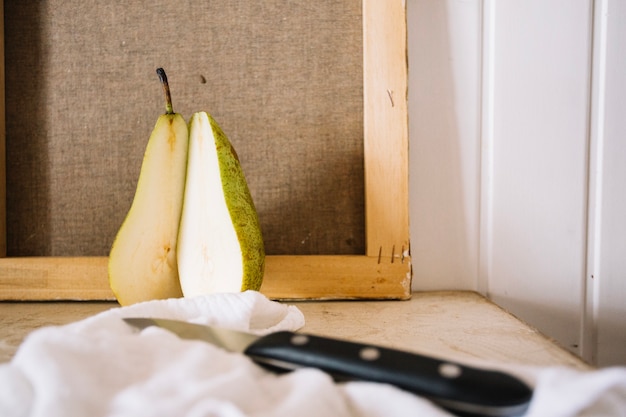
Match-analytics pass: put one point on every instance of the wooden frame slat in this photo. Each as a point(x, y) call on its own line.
point(287, 277)
point(3, 194)
point(384, 272)
point(385, 127)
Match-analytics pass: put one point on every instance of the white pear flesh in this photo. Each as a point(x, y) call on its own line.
point(220, 248)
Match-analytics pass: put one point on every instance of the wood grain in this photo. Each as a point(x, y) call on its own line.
point(461, 326)
point(286, 277)
point(54, 278)
point(3, 185)
point(457, 325)
point(337, 277)
point(385, 128)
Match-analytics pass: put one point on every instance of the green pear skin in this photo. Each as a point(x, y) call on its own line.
point(142, 261)
point(220, 244)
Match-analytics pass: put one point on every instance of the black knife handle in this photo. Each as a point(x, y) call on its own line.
point(456, 387)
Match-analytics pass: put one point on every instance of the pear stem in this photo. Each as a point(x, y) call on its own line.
point(166, 89)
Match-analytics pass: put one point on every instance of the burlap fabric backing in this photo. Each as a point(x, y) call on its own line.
point(283, 79)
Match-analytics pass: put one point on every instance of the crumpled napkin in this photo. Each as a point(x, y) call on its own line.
point(100, 366)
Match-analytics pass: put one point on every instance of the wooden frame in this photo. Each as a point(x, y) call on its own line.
point(384, 272)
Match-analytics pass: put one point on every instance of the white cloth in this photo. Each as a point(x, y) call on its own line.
point(101, 367)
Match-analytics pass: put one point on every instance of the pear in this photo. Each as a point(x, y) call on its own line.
point(142, 262)
point(220, 245)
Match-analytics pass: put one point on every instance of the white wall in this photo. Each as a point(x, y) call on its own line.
point(516, 142)
point(444, 130)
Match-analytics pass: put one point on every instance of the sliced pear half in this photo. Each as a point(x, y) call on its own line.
point(220, 245)
point(142, 262)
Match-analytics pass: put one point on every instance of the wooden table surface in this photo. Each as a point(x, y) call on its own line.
point(453, 325)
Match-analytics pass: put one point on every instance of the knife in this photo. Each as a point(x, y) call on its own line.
point(457, 388)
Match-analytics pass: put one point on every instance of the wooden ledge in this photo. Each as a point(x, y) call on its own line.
point(455, 325)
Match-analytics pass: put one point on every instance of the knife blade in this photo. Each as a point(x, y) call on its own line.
point(456, 387)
